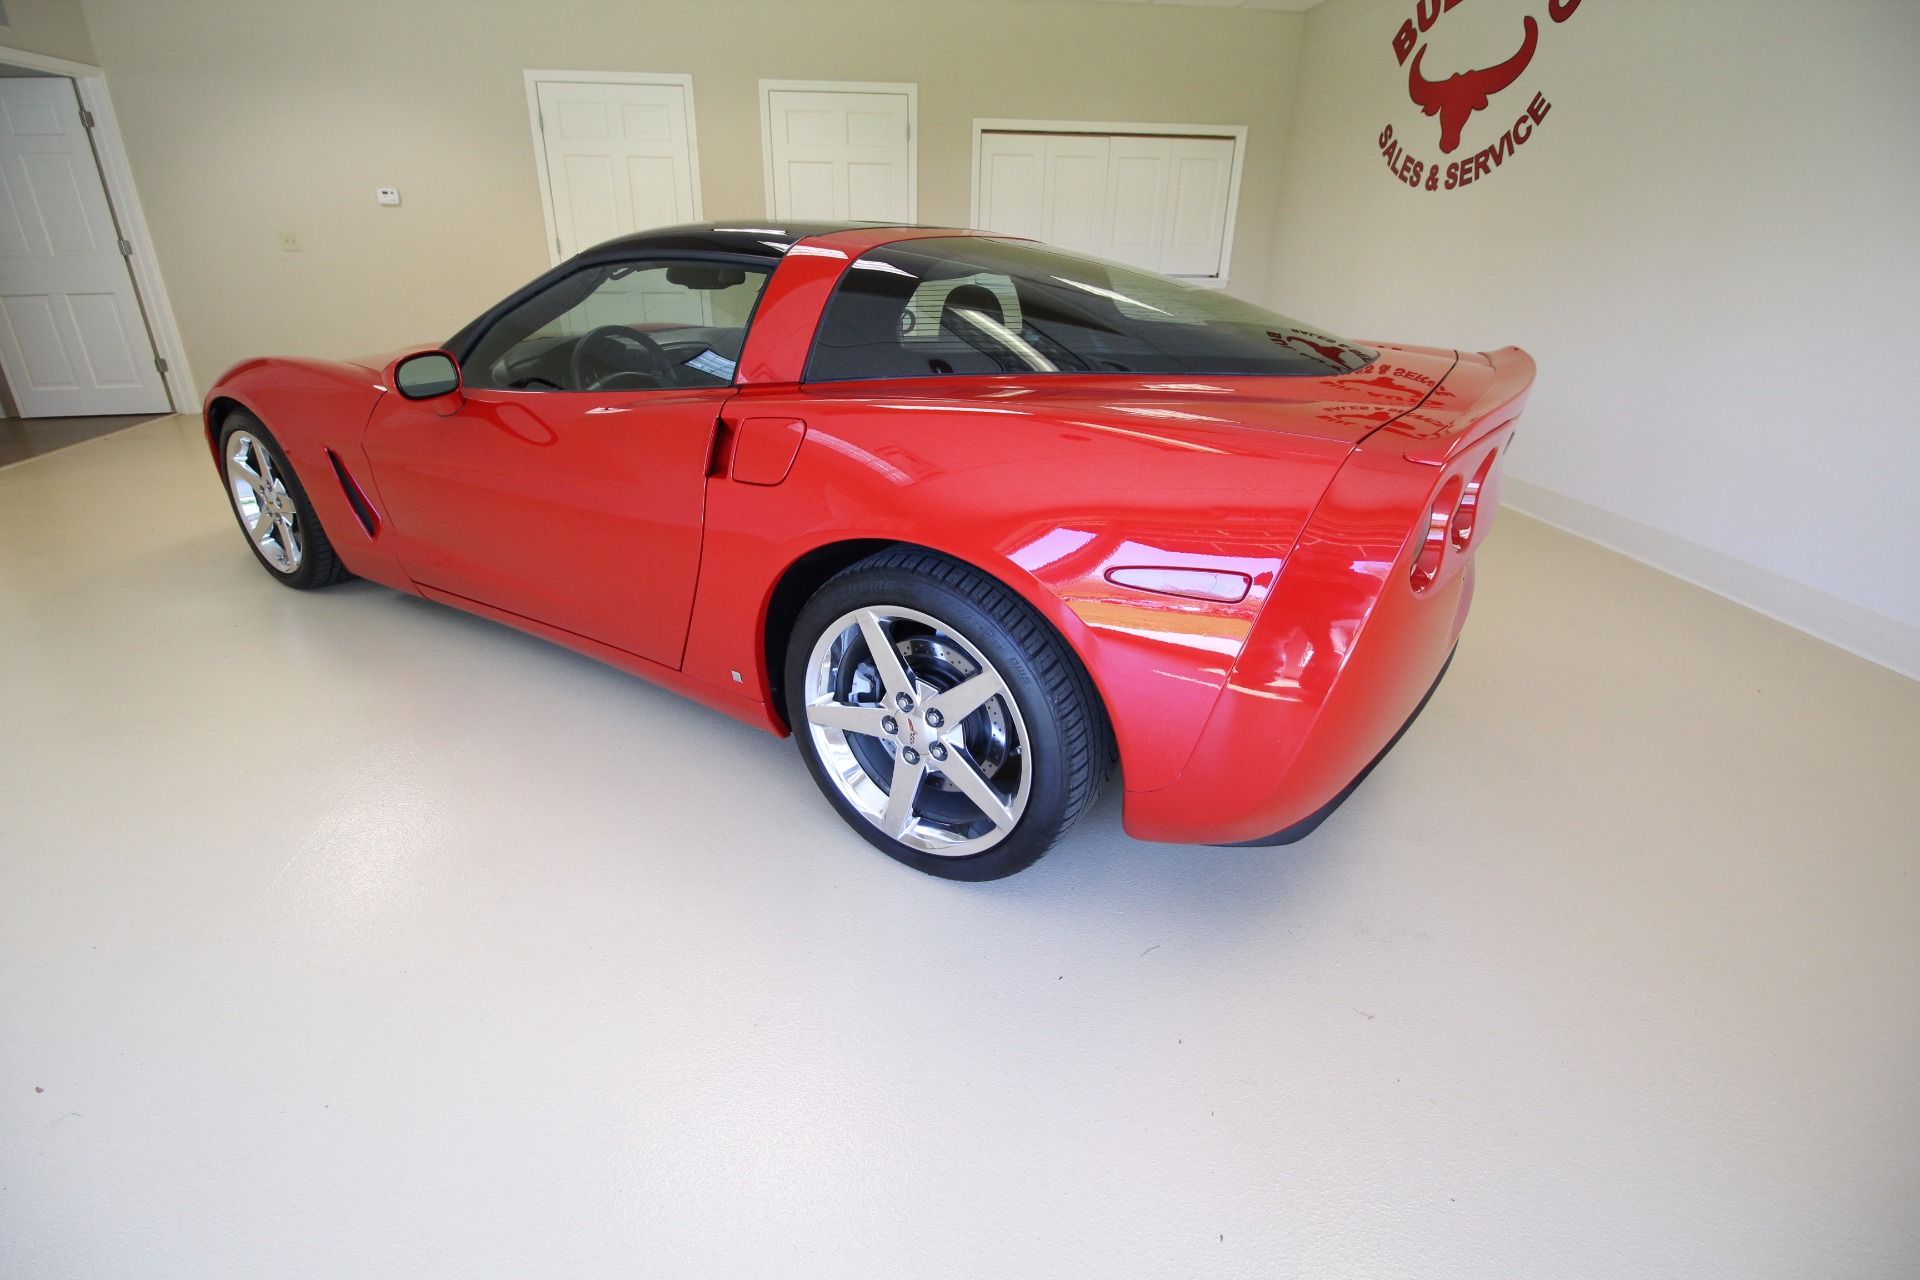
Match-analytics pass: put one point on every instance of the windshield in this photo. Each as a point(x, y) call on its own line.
point(930, 308)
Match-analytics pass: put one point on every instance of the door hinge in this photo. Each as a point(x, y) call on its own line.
point(126, 248)
point(558, 252)
point(160, 363)
point(86, 118)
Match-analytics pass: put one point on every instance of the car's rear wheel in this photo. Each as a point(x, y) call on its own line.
point(942, 716)
point(272, 507)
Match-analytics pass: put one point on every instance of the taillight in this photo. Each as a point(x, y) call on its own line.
point(1453, 520)
point(1466, 516)
point(1433, 548)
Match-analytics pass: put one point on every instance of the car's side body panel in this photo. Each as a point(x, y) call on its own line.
point(588, 479)
point(740, 706)
point(663, 554)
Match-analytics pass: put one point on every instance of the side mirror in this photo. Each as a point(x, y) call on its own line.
point(426, 376)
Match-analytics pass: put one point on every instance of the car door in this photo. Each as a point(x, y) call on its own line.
point(567, 482)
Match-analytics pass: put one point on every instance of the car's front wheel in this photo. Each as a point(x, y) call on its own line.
point(942, 716)
point(272, 507)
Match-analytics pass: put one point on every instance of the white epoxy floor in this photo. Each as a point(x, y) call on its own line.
point(342, 934)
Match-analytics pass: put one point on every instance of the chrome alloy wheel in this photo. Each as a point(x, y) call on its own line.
point(271, 515)
point(918, 731)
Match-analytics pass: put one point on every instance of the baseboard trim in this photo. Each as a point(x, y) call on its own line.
point(1874, 636)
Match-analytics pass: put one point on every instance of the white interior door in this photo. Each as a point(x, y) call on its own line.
point(72, 338)
point(840, 154)
point(619, 158)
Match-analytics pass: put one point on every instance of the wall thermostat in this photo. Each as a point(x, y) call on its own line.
point(387, 195)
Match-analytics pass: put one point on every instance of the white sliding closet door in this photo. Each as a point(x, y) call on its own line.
point(1164, 203)
point(1198, 173)
point(1010, 184)
point(1136, 213)
point(1074, 193)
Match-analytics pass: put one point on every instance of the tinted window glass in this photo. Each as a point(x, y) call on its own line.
point(927, 308)
point(623, 326)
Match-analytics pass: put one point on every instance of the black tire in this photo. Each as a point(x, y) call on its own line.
point(1068, 751)
point(318, 566)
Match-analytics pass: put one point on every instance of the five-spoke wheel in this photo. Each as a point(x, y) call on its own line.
point(260, 497)
point(271, 506)
point(942, 716)
point(917, 730)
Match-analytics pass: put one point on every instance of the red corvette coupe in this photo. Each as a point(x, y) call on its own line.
point(974, 519)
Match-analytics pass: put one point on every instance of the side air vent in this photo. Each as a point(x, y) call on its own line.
point(362, 509)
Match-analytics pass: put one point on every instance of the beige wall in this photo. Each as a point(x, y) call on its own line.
point(56, 28)
point(245, 119)
point(1712, 246)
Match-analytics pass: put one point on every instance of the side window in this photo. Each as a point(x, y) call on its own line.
point(979, 306)
point(623, 326)
point(898, 314)
point(934, 301)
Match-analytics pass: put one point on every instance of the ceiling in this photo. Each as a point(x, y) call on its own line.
point(1281, 6)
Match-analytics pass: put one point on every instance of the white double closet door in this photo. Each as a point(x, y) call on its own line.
point(1160, 203)
point(72, 337)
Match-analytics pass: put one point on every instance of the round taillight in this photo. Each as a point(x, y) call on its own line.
point(1433, 544)
point(1466, 517)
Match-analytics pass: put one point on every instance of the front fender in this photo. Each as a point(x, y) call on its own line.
point(318, 412)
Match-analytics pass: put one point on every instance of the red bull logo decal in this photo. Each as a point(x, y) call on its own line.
point(1454, 99)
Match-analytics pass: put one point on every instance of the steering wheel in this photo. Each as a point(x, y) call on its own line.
point(612, 349)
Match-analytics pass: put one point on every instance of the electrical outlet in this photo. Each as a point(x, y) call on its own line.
point(289, 242)
point(387, 195)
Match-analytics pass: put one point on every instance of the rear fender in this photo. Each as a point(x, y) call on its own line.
point(1364, 616)
point(949, 483)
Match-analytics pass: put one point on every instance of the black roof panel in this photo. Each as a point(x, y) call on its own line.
point(761, 238)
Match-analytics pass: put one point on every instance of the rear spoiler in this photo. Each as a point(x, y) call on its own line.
point(1498, 382)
